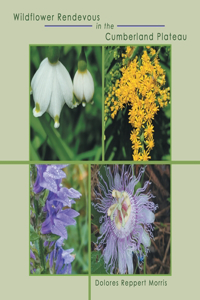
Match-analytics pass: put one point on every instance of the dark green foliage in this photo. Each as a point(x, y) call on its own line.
point(97, 263)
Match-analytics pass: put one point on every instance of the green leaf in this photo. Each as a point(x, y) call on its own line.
point(88, 154)
point(34, 155)
point(138, 50)
point(108, 59)
point(166, 157)
point(63, 152)
point(96, 215)
point(33, 234)
point(97, 263)
point(36, 125)
point(41, 202)
point(98, 56)
point(93, 238)
point(67, 49)
point(138, 186)
point(52, 237)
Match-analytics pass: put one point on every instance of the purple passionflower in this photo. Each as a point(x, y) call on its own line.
point(49, 177)
point(127, 218)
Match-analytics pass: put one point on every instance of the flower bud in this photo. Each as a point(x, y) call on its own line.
point(83, 84)
point(53, 54)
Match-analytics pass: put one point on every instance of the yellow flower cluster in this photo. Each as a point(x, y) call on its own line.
point(141, 86)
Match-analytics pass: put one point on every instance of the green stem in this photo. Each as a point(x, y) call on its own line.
point(145, 265)
point(42, 258)
point(136, 269)
point(36, 210)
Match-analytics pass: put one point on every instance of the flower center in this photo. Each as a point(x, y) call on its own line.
point(120, 211)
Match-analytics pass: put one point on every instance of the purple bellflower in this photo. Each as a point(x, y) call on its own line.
point(58, 218)
point(59, 214)
point(126, 219)
point(49, 177)
point(60, 260)
point(33, 258)
point(32, 255)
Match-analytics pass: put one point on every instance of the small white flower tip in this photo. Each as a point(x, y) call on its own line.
point(83, 104)
point(56, 125)
point(56, 120)
point(37, 113)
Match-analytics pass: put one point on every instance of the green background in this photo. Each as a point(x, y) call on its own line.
point(14, 124)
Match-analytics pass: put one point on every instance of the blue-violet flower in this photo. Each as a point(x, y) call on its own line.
point(60, 259)
point(49, 177)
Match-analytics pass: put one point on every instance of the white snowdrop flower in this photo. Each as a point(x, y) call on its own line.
point(83, 84)
point(51, 87)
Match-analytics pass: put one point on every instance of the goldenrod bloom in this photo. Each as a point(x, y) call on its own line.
point(141, 86)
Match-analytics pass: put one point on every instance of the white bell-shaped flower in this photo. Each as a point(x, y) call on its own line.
point(83, 84)
point(52, 88)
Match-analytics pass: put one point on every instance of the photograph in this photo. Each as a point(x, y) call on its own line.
point(65, 102)
point(137, 110)
point(58, 219)
point(130, 219)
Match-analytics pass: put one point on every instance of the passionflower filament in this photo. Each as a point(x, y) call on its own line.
point(127, 218)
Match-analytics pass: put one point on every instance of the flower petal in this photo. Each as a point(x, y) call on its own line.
point(46, 226)
point(56, 102)
point(147, 216)
point(110, 250)
point(88, 86)
point(130, 187)
point(121, 256)
point(145, 239)
point(53, 172)
point(129, 261)
point(42, 88)
point(67, 257)
point(71, 193)
point(39, 73)
point(51, 260)
point(78, 86)
point(59, 229)
point(117, 181)
point(71, 213)
point(142, 199)
point(65, 83)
